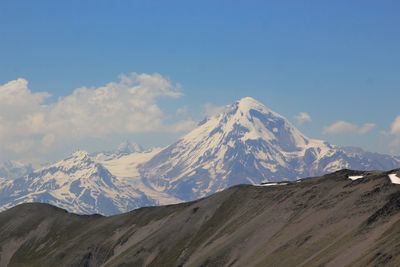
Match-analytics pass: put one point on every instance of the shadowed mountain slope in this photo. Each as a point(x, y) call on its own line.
point(330, 220)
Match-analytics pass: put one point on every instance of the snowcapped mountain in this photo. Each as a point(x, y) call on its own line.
point(78, 184)
point(247, 143)
point(13, 169)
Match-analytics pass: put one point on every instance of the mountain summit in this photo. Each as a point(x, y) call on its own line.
point(127, 147)
point(245, 143)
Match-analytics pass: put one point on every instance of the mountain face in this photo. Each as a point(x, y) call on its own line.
point(78, 184)
point(321, 221)
point(247, 143)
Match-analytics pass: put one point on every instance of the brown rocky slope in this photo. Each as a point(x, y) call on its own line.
point(322, 221)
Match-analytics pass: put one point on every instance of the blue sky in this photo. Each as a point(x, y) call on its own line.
point(334, 60)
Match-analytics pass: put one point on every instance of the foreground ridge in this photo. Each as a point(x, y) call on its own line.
point(347, 217)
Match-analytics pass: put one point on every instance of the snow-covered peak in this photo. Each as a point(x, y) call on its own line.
point(245, 142)
point(248, 119)
point(78, 160)
point(248, 103)
point(128, 147)
point(80, 154)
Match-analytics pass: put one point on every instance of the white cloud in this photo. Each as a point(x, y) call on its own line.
point(366, 128)
point(303, 117)
point(211, 110)
point(395, 127)
point(182, 126)
point(395, 132)
point(182, 110)
point(27, 124)
point(340, 127)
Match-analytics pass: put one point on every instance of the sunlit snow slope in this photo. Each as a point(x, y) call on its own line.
point(79, 184)
point(247, 143)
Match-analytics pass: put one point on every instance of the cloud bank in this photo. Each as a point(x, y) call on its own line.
point(341, 127)
point(28, 123)
point(395, 132)
point(211, 110)
point(303, 117)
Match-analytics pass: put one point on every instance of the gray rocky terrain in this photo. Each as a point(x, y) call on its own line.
point(321, 221)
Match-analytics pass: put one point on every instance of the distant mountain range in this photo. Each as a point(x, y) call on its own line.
point(246, 143)
point(79, 184)
point(13, 169)
point(347, 218)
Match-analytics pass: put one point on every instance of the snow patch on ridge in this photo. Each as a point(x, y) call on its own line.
point(271, 184)
point(394, 178)
point(356, 177)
